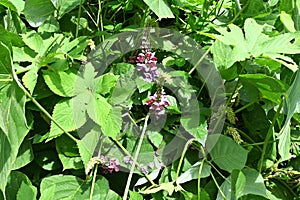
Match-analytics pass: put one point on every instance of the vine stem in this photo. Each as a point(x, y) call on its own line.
point(78, 19)
point(16, 79)
point(221, 192)
point(100, 19)
point(269, 135)
point(183, 154)
point(200, 172)
point(93, 182)
point(200, 60)
point(135, 158)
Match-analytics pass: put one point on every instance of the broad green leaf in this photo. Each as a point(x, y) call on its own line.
point(59, 187)
point(50, 25)
point(60, 82)
point(113, 123)
point(135, 196)
point(30, 79)
point(270, 88)
point(88, 143)
point(5, 66)
point(292, 99)
point(68, 153)
point(254, 183)
point(247, 181)
point(238, 183)
point(227, 154)
point(98, 109)
point(287, 21)
point(13, 125)
point(37, 11)
point(193, 173)
point(222, 55)
point(155, 137)
point(66, 6)
point(160, 8)
point(19, 187)
point(25, 155)
point(105, 83)
point(257, 44)
point(34, 41)
point(64, 115)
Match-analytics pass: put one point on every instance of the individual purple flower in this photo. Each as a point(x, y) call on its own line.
point(146, 66)
point(150, 165)
point(126, 159)
point(157, 104)
point(110, 166)
point(144, 169)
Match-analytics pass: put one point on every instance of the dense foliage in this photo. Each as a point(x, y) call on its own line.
point(149, 99)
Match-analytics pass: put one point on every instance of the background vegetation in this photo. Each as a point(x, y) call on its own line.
point(43, 44)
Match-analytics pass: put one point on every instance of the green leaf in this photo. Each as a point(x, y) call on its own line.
point(227, 154)
point(287, 21)
point(60, 82)
point(19, 187)
point(68, 153)
point(254, 183)
point(5, 62)
point(193, 173)
point(135, 196)
point(34, 41)
point(50, 25)
point(106, 83)
point(270, 88)
point(37, 11)
point(59, 187)
point(25, 155)
point(160, 8)
point(241, 183)
point(257, 44)
point(66, 6)
point(292, 99)
point(13, 126)
point(30, 79)
point(64, 115)
point(222, 55)
point(155, 137)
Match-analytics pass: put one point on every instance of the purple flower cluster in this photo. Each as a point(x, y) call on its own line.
point(109, 165)
point(142, 168)
point(157, 104)
point(146, 66)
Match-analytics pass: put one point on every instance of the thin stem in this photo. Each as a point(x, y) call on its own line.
point(182, 156)
point(200, 171)
point(200, 60)
point(199, 178)
point(217, 170)
point(100, 19)
point(78, 19)
point(221, 192)
point(93, 182)
point(240, 11)
point(135, 158)
point(245, 106)
point(269, 135)
point(137, 164)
